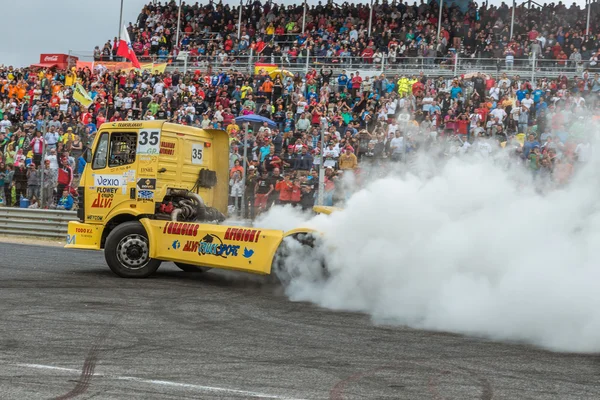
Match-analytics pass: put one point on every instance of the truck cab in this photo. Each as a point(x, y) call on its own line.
point(155, 191)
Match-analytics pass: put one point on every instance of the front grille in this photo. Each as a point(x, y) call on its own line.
point(81, 203)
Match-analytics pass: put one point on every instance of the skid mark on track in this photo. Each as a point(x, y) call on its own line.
point(89, 364)
point(164, 383)
point(337, 392)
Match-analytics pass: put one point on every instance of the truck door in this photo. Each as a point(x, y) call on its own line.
point(111, 179)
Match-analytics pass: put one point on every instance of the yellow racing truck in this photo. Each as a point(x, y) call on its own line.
point(155, 191)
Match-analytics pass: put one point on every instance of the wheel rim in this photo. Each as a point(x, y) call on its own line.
point(132, 252)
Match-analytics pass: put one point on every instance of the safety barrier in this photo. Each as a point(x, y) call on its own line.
point(36, 223)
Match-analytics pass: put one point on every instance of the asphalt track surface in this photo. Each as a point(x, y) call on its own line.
point(71, 329)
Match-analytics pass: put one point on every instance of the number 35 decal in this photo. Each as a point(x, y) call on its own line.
point(148, 142)
point(197, 153)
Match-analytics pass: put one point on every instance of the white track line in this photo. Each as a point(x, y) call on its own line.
point(163, 383)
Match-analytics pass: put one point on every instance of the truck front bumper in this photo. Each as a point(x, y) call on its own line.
point(84, 236)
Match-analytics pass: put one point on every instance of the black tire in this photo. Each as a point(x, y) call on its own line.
point(191, 268)
point(284, 273)
point(127, 251)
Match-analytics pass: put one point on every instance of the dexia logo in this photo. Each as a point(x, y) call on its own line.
point(109, 180)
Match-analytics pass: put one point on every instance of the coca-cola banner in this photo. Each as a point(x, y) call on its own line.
point(61, 60)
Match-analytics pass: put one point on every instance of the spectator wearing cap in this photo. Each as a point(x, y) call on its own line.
point(37, 146)
point(33, 181)
point(64, 177)
point(348, 160)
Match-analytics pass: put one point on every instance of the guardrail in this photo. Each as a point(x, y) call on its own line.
point(526, 67)
point(37, 223)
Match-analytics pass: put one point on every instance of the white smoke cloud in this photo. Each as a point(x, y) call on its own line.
point(471, 250)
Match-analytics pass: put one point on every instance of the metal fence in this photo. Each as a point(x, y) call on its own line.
point(527, 68)
point(37, 223)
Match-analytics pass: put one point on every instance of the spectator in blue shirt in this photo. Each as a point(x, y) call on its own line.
point(529, 146)
point(455, 91)
point(81, 162)
point(537, 94)
point(312, 95)
point(521, 93)
point(342, 80)
point(541, 105)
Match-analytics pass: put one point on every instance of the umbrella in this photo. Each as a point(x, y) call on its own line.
point(281, 73)
point(255, 119)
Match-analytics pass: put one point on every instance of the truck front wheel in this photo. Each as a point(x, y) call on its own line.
point(127, 251)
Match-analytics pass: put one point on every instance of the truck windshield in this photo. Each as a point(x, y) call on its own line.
point(101, 152)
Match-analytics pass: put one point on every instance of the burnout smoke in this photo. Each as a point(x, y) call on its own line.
point(473, 249)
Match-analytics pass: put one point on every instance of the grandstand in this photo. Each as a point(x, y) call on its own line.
point(528, 39)
point(345, 86)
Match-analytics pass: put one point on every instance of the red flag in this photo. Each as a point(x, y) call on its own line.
point(126, 50)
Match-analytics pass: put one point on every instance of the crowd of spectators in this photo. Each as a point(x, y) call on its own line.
point(366, 122)
point(339, 33)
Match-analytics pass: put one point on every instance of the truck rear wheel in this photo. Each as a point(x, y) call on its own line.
point(296, 258)
point(191, 268)
point(127, 251)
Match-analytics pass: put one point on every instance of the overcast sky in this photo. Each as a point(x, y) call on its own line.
point(33, 27)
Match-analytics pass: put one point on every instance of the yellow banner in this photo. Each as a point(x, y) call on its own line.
point(81, 96)
point(161, 68)
point(152, 68)
point(258, 68)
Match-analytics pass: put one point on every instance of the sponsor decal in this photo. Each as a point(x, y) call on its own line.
point(127, 124)
point(176, 245)
point(191, 246)
point(211, 245)
point(146, 183)
point(145, 195)
point(84, 232)
point(146, 170)
point(214, 246)
point(148, 142)
point(180, 228)
point(105, 197)
point(242, 235)
point(167, 148)
point(110, 180)
point(248, 253)
point(145, 159)
point(71, 239)
point(94, 217)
